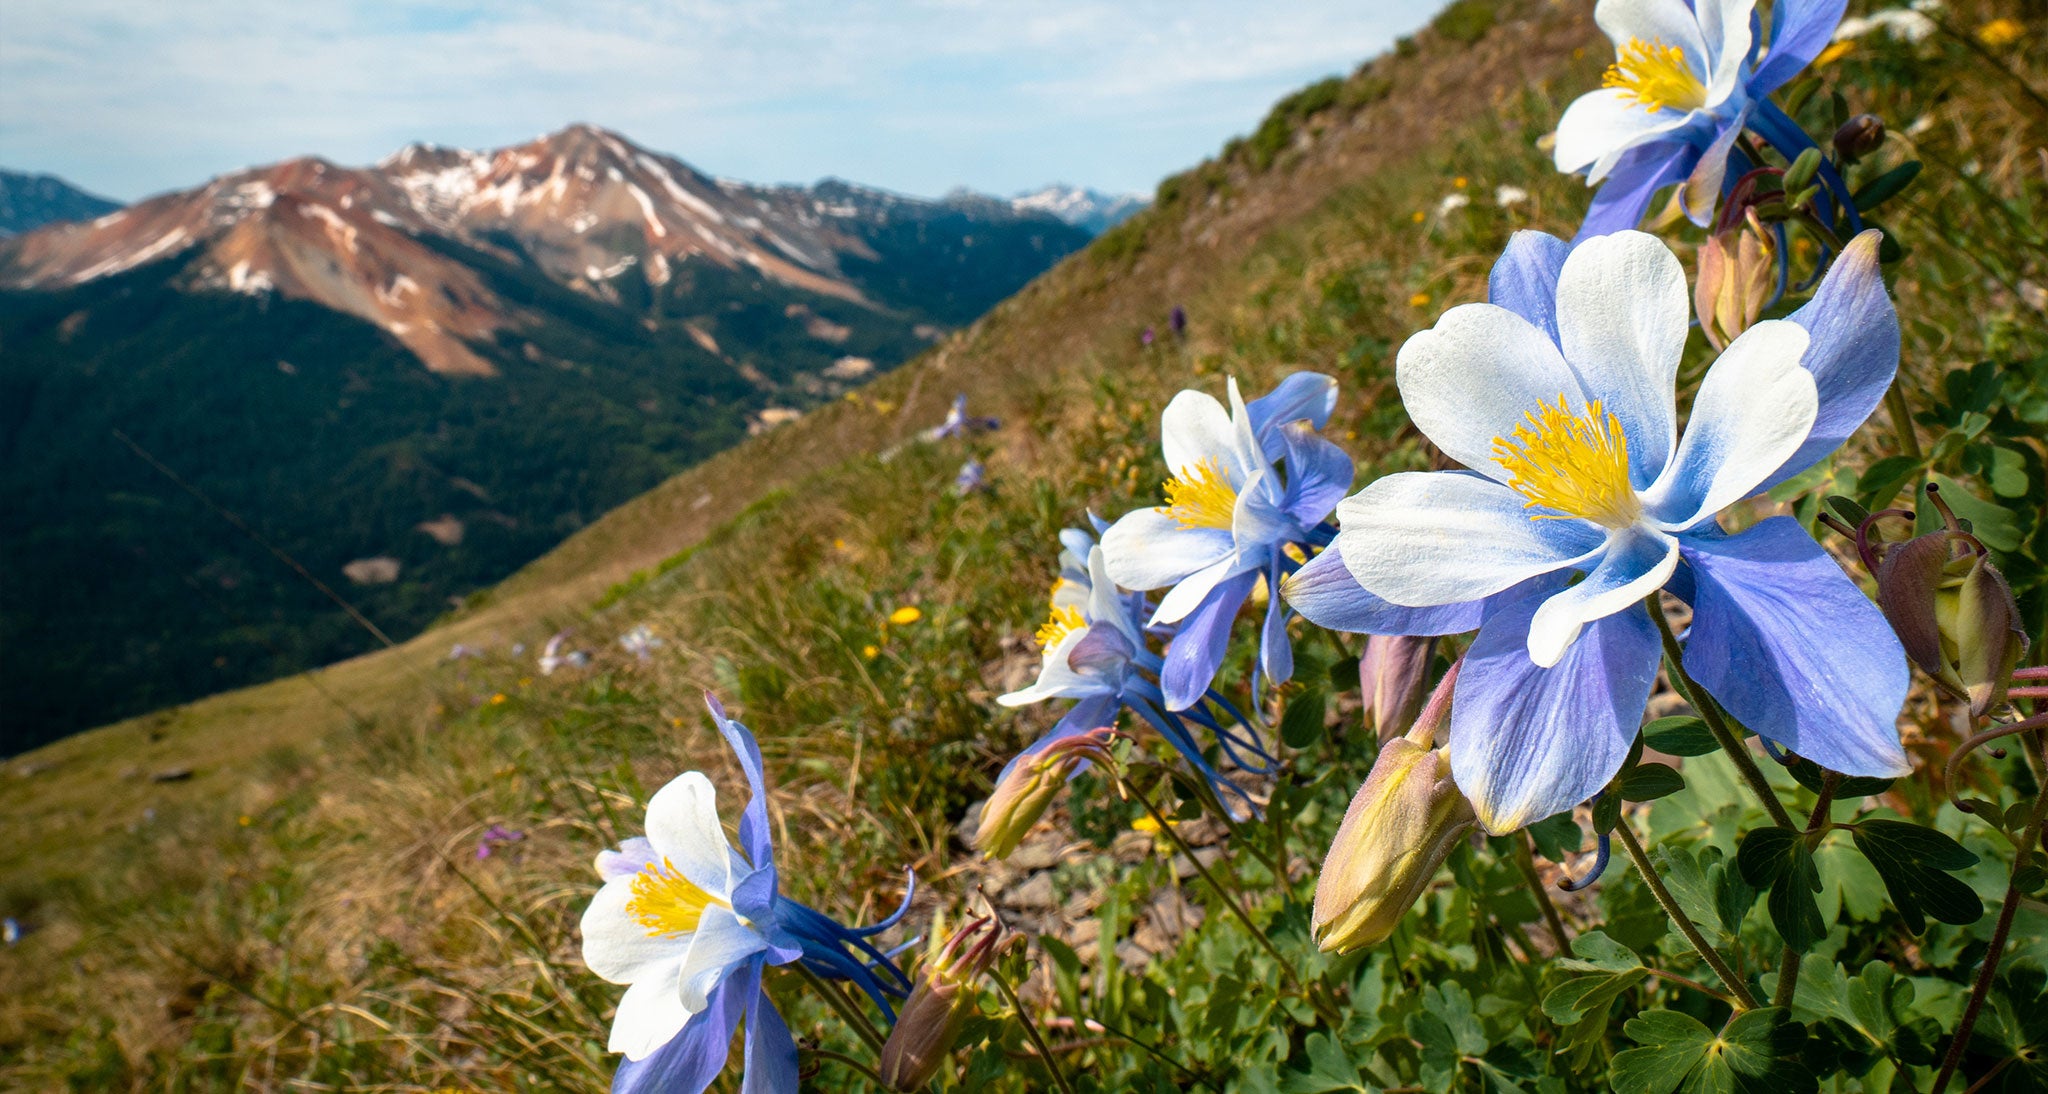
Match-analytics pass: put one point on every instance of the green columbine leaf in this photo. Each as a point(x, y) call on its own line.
point(1557, 836)
point(1779, 860)
point(1328, 1069)
point(1648, 782)
point(1882, 481)
point(1686, 735)
point(1915, 863)
point(1757, 1052)
point(1302, 725)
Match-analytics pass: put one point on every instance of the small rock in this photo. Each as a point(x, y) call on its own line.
point(1207, 856)
point(1035, 855)
point(172, 775)
point(970, 822)
point(1034, 893)
point(1083, 936)
point(1134, 956)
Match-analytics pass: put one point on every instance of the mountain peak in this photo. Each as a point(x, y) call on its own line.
point(1081, 206)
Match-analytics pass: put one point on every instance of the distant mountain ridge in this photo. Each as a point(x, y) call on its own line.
point(413, 377)
point(1085, 208)
point(28, 202)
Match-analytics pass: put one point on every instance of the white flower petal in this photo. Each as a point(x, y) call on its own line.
point(1754, 409)
point(720, 942)
point(1056, 676)
point(683, 826)
point(1195, 427)
point(1470, 379)
point(1423, 538)
point(1189, 594)
point(1600, 125)
point(650, 1014)
point(1724, 26)
point(1671, 22)
point(616, 947)
point(1148, 549)
point(1638, 562)
point(1622, 315)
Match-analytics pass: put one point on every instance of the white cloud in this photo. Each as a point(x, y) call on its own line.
point(132, 97)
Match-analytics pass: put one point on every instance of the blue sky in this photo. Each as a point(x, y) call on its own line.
point(132, 98)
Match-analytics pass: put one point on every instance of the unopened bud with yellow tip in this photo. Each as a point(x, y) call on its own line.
point(1401, 826)
point(944, 997)
point(1391, 674)
point(1738, 270)
point(1027, 786)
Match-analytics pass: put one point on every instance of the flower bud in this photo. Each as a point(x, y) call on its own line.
point(1738, 269)
point(1027, 786)
point(1858, 137)
point(1391, 673)
point(1954, 612)
point(1401, 826)
point(930, 1021)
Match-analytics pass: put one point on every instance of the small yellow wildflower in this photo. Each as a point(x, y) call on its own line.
point(870, 651)
point(1459, 182)
point(498, 698)
point(526, 681)
point(839, 545)
point(1418, 216)
point(245, 820)
point(905, 615)
point(2001, 32)
point(1835, 52)
point(1419, 300)
point(676, 723)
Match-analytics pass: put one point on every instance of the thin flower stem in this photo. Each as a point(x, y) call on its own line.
point(1743, 999)
point(1716, 723)
point(848, 1061)
point(839, 1002)
point(1902, 419)
point(1527, 864)
point(1158, 1054)
point(1816, 825)
point(1999, 933)
point(1688, 982)
point(1052, 1065)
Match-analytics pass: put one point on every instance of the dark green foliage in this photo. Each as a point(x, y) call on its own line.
point(1915, 863)
point(1465, 21)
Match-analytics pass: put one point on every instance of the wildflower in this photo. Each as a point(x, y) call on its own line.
point(641, 642)
point(1685, 82)
point(1419, 300)
point(1403, 822)
point(1953, 610)
point(1177, 321)
point(1559, 397)
point(1391, 672)
point(498, 699)
point(1230, 517)
point(1835, 52)
point(2001, 32)
point(1028, 783)
point(459, 651)
point(245, 820)
point(1858, 137)
point(1095, 653)
point(1418, 216)
point(1451, 204)
point(941, 1003)
point(1460, 182)
point(1738, 271)
point(1507, 197)
point(870, 651)
point(906, 615)
point(10, 930)
point(494, 837)
point(972, 478)
point(690, 923)
point(958, 422)
point(552, 657)
point(1146, 338)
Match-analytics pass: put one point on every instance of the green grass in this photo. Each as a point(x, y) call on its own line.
point(345, 937)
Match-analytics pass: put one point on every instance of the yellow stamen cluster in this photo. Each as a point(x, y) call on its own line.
point(1575, 464)
point(1201, 497)
point(1061, 623)
point(1656, 76)
point(666, 903)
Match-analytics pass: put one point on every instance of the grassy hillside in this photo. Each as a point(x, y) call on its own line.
point(307, 910)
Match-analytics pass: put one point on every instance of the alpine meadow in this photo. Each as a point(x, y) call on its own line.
point(1526, 572)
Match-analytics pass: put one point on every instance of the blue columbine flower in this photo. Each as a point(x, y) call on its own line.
point(690, 923)
point(1687, 79)
point(1095, 652)
point(1231, 517)
point(1559, 396)
point(959, 423)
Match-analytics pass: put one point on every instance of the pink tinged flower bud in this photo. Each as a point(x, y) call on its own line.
point(1391, 673)
point(1401, 826)
point(1953, 611)
point(929, 1022)
point(1738, 269)
point(1028, 786)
